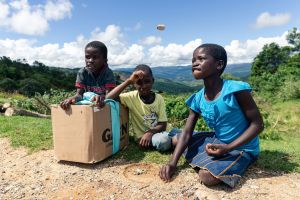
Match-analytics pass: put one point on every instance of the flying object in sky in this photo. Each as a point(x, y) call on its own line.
point(161, 27)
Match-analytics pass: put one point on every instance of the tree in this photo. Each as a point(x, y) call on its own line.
point(269, 59)
point(8, 85)
point(265, 64)
point(30, 86)
point(293, 38)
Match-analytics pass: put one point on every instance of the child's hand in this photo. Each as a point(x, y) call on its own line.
point(216, 149)
point(135, 76)
point(99, 101)
point(145, 141)
point(166, 172)
point(66, 103)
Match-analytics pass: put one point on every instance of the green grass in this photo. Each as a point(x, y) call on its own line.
point(284, 154)
point(136, 154)
point(32, 133)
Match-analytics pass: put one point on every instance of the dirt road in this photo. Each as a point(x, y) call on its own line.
point(40, 176)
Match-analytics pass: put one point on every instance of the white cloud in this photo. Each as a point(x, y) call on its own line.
point(21, 17)
point(267, 20)
point(72, 54)
point(30, 23)
point(242, 52)
point(4, 11)
point(172, 54)
point(151, 40)
point(122, 54)
point(58, 10)
point(130, 57)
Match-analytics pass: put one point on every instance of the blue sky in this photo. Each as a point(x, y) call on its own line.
point(55, 31)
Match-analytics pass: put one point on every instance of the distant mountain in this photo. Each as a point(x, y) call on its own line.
point(163, 84)
point(183, 74)
point(242, 70)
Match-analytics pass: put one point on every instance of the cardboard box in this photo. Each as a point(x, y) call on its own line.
point(84, 133)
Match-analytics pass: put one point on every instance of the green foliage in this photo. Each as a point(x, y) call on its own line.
point(276, 70)
point(29, 87)
point(269, 132)
point(8, 85)
point(293, 38)
point(289, 90)
point(41, 103)
point(10, 97)
point(269, 59)
point(230, 77)
point(178, 112)
point(14, 76)
point(265, 65)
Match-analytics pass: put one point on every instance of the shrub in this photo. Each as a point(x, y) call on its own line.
point(8, 85)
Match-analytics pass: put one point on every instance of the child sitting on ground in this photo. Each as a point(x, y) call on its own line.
point(95, 77)
point(229, 109)
point(146, 108)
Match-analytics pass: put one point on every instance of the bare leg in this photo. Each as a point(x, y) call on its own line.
point(174, 141)
point(207, 178)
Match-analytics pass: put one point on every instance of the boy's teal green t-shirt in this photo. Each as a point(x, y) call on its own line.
point(224, 114)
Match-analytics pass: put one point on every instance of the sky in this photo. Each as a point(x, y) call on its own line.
point(55, 32)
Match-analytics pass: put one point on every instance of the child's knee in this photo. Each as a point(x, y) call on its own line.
point(207, 178)
point(161, 141)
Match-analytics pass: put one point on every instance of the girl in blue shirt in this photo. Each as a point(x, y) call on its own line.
point(229, 109)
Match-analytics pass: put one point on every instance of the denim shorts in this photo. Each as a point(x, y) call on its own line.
point(228, 168)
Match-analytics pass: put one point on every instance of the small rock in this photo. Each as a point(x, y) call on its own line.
point(253, 186)
point(139, 171)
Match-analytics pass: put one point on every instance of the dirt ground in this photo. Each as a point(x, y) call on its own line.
point(41, 176)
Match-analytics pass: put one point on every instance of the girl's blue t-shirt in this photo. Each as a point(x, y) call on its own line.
point(224, 114)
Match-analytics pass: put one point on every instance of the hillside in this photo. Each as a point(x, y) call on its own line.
point(28, 79)
point(162, 84)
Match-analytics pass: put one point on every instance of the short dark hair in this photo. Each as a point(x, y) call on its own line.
point(100, 46)
point(144, 68)
point(216, 51)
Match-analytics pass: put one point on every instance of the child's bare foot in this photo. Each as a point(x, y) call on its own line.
point(207, 178)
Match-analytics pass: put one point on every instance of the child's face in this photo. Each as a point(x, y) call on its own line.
point(94, 60)
point(144, 85)
point(203, 64)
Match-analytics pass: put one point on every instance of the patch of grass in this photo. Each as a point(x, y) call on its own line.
point(283, 154)
point(286, 118)
point(32, 133)
point(134, 153)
